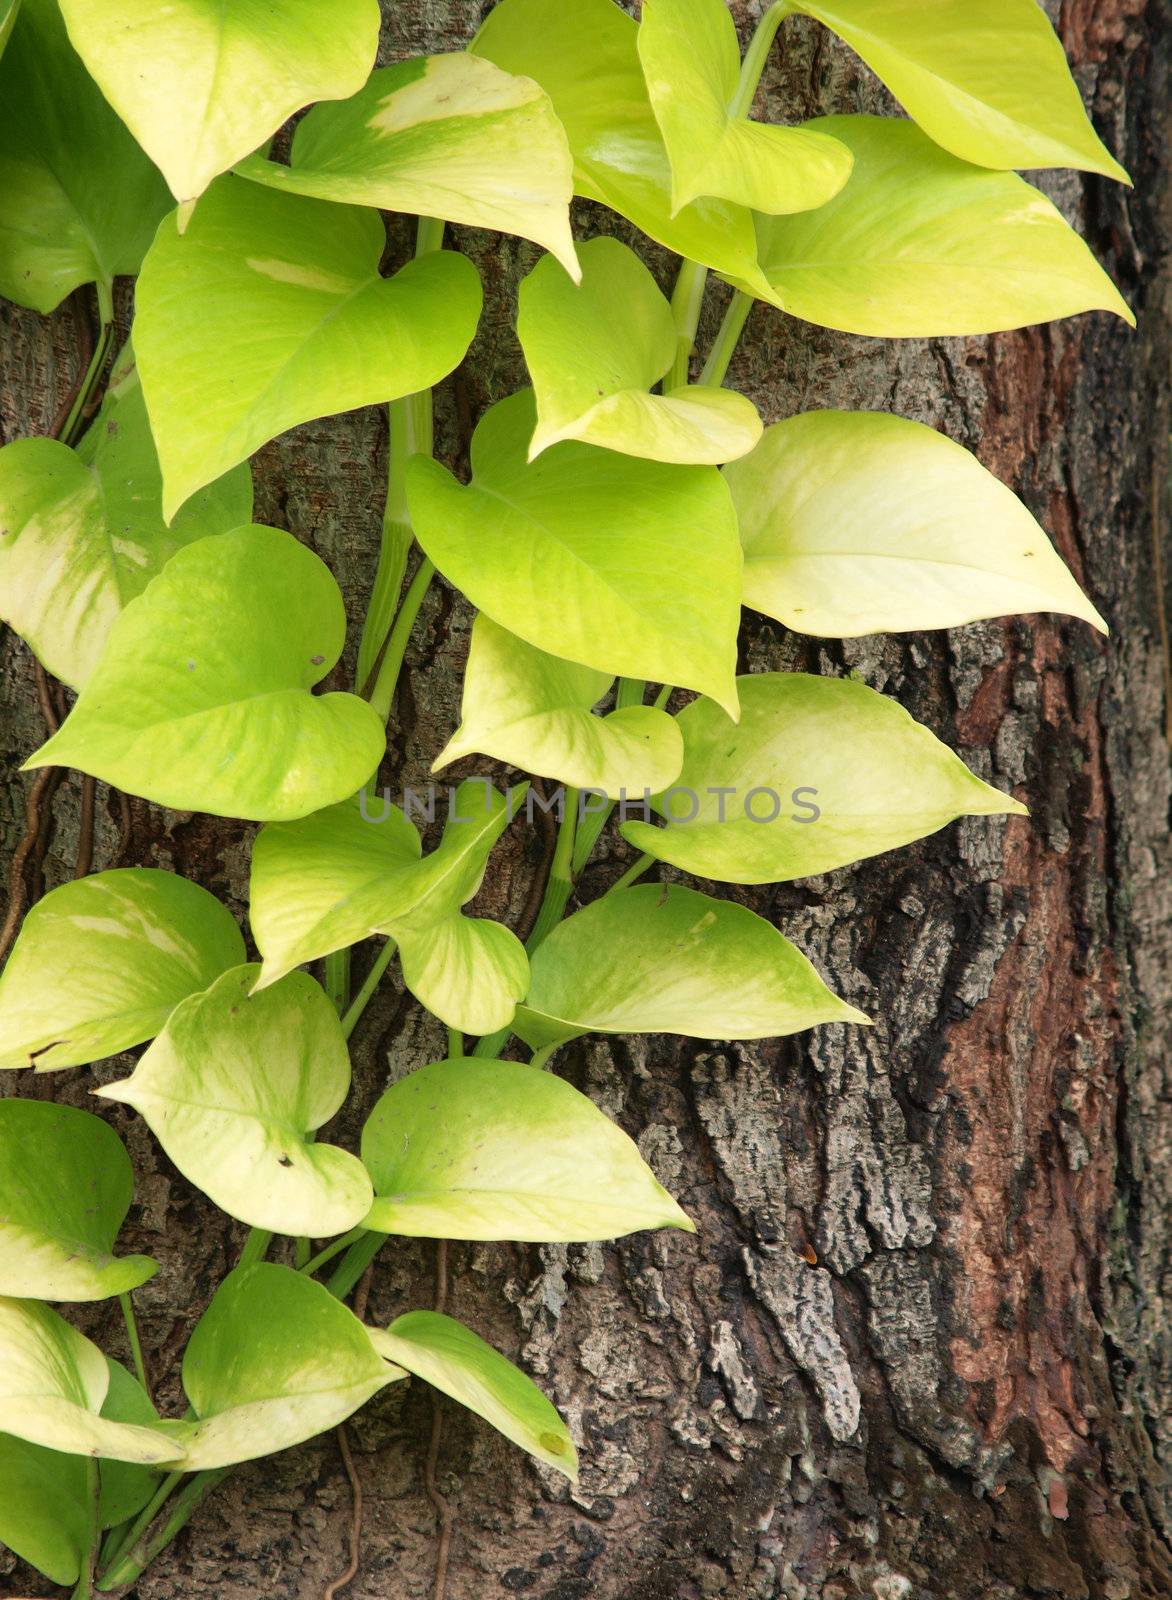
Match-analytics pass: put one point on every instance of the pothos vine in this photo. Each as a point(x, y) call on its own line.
point(618, 514)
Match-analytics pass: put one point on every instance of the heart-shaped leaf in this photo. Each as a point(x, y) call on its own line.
point(819, 772)
point(533, 711)
point(475, 1149)
point(920, 244)
point(79, 202)
point(586, 59)
point(443, 136)
point(858, 522)
point(54, 1384)
point(989, 83)
point(100, 964)
point(66, 1184)
point(459, 1363)
point(234, 1089)
point(269, 310)
point(82, 532)
point(627, 566)
point(200, 84)
point(202, 699)
point(594, 350)
point(660, 959)
point(692, 64)
point(46, 1510)
point(274, 1360)
point(337, 877)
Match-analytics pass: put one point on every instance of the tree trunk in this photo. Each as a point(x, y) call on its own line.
point(920, 1345)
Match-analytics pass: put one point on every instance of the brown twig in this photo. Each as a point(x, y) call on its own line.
point(85, 829)
point(530, 910)
point(1158, 492)
point(443, 1512)
point(347, 1576)
point(17, 889)
point(361, 1296)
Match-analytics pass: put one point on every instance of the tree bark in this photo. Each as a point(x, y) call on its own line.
point(921, 1345)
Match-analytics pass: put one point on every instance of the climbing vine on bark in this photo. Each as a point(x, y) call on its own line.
point(617, 516)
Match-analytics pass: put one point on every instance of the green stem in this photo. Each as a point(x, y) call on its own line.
point(755, 57)
point(334, 1248)
point(355, 1262)
point(409, 432)
point(300, 1253)
point(256, 1247)
point(455, 1044)
point(72, 426)
point(561, 875)
point(686, 300)
point(635, 870)
point(725, 343)
point(131, 1322)
point(135, 1529)
point(369, 984)
point(383, 694)
point(85, 1583)
point(128, 1568)
point(337, 978)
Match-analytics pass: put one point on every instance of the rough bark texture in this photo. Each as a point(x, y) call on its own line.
point(921, 1344)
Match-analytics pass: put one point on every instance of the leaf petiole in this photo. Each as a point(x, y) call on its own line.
point(131, 1322)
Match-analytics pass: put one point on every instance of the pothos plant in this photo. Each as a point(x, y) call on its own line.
point(620, 512)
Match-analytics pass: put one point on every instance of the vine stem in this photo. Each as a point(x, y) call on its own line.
point(756, 56)
point(369, 984)
point(686, 301)
point(382, 694)
point(726, 341)
point(634, 871)
point(131, 1322)
point(76, 415)
point(126, 1569)
point(410, 431)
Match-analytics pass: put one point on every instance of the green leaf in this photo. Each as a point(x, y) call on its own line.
point(627, 566)
point(989, 82)
point(660, 959)
point(459, 1363)
point(594, 350)
point(324, 883)
point(475, 1149)
point(46, 1510)
point(126, 1487)
point(202, 700)
point(533, 711)
point(274, 1360)
point(920, 245)
point(83, 531)
point(200, 83)
point(100, 964)
point(79, 202)
point(442, 136)
point(66, 1184)
point(858, 522)
point(269, 311)
point(53, 1385)
point(692, 65)
point(819, 772)
point(234, 1089)
point(586, 59)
